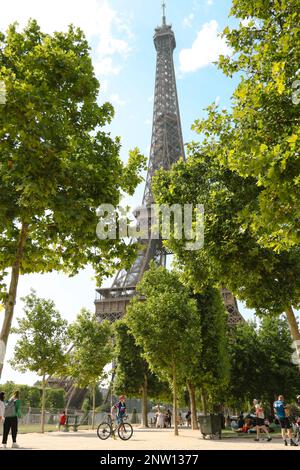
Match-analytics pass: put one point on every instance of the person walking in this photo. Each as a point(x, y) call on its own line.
point(168, 418)
point(62, 420)
point(285, 424)
point(2, 410)
point(160, 419)
point(12, 413)
point(260, 420)
point(188, 418)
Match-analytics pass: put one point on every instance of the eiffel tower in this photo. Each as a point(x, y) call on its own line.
point(166, 149)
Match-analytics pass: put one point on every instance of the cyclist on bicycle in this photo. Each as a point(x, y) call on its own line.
point(120, 409)
point(122, 428)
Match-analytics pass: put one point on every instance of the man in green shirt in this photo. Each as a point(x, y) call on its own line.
point(12, 413)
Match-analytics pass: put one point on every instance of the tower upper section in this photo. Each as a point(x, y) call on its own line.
point(166, 143)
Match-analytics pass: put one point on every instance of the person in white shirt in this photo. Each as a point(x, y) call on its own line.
point(2, 409)
point(159, 418)
point(260, 420)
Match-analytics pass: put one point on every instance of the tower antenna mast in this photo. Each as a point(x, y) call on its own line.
point(164, 12)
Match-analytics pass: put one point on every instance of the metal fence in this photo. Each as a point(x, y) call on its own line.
point(33, 417)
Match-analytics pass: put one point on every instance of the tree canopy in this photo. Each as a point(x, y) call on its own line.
point(165, 327)
point(42, 341)
point(212, 374)
point(92, 350)
point(42, 345)
point(231, 256)
point(261, 366)
point(133, 375)
point(260, 136)
point(58, 163)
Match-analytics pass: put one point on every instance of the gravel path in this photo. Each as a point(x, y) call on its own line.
point(141, 440)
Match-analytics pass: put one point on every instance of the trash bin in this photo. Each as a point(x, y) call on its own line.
point(211, 426)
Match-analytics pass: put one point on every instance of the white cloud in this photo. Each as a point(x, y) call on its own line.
point(101, 24)
point(110, 46)
point(105, 67)
point(104, 85)
point(116, 100)
point(148, 122)
point(188, 20)
point(205, 49)
point(209, 2)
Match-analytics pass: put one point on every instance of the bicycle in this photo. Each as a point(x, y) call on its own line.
point(109, 428)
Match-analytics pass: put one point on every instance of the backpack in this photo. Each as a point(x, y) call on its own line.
point(10, 409)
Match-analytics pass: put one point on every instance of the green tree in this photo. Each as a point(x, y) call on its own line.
point(58, 164)
point(88, 401)
point(260, 137)
point(249, 157)
point(30, 396)
point(41, 347)
point(267, 281)
point(92, 350)
point(133, 375)
point(261, 366)
point(165, 327)
point(34, 397)
point(213, 371)
point(55, 399)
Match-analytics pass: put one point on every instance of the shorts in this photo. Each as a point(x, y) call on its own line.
point(260, 422)
point(285, 423)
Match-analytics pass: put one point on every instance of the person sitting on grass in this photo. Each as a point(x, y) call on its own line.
point(246, 426)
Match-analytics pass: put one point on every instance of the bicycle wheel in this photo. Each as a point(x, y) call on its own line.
point(104, 431)
point(125, 431)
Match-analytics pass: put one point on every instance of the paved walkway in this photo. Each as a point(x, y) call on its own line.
point(141, 440)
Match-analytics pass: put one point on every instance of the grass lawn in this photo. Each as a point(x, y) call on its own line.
point(231, 434)
point(30, 428)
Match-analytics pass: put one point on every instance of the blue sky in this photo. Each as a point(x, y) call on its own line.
point(120, 33)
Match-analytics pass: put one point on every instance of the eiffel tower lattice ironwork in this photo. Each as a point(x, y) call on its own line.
point(166, 148)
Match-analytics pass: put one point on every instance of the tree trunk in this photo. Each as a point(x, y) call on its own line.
point(192, 393)
point(175, 399)
point(145, 403)
point(204, 401)
point(294, 331)
point(12, 294)
point(94, 406)
point(43, 404)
